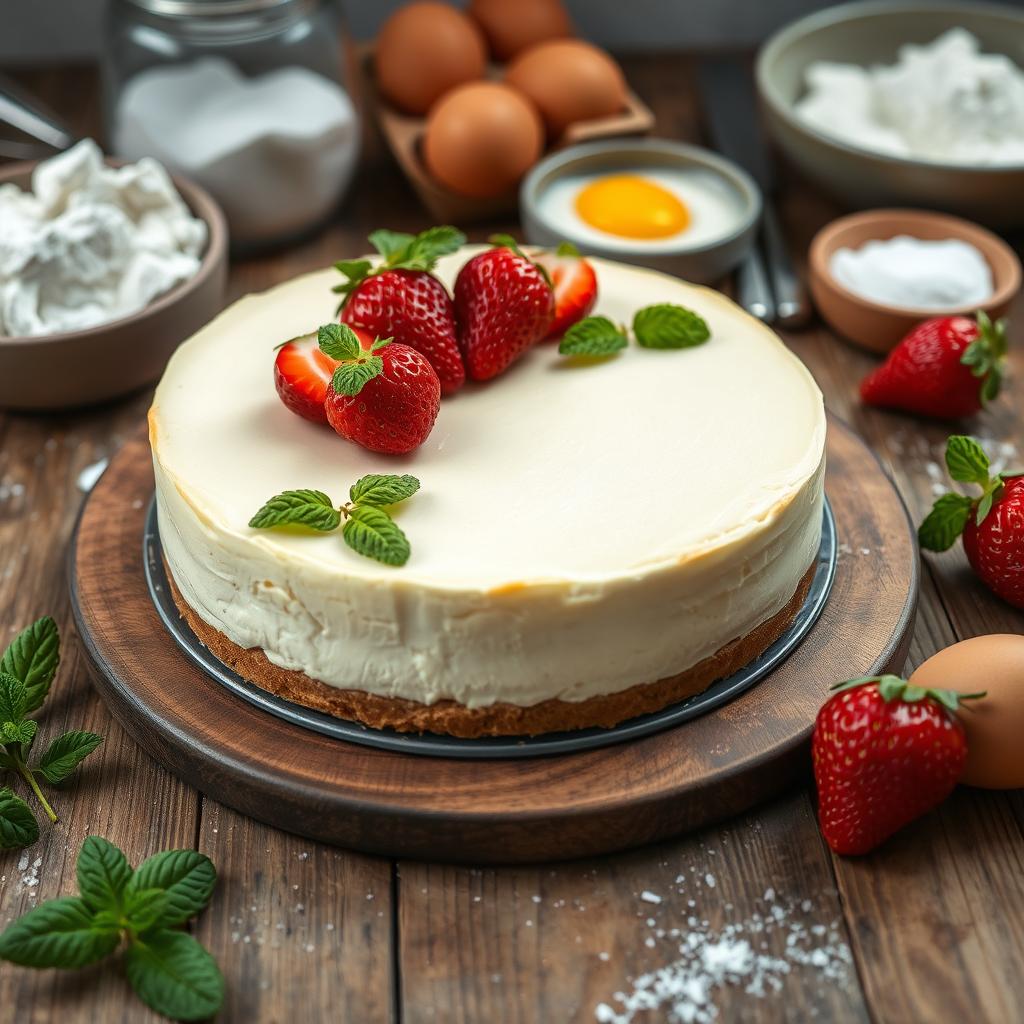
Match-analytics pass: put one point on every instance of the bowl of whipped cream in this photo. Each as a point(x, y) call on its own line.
point(905, 104)
point(105, 268)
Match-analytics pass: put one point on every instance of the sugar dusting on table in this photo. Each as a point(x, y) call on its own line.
point(707, 960)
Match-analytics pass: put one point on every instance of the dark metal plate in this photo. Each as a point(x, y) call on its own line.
point(716, 695)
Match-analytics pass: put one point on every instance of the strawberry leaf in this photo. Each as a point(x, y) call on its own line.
point(429, 246)
point(351, 377)
point(372, 532)
point(356, 271)
point(390, 243)
point(338, 341)
point(383, 489)
point(567, 249)
point(667, 326)
point(966, 460)
point(298, 508)
point(594, 336)
point(945, 522)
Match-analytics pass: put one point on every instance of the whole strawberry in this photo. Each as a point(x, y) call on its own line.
point(946, 367)
point(575, 285)
point(504, 305)
point(401, 299)
point(884, 753)
point(992, 525)
point(384, 396)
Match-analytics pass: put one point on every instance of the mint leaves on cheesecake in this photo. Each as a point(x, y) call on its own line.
point(369, 529)
point(661, 326)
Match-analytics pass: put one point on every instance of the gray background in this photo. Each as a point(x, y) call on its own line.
point(36, 32)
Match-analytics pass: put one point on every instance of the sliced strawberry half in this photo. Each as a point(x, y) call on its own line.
point(302, 374)
point(575, 285)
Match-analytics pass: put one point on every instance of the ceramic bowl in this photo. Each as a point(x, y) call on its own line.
point(704, 263)
point(75, 368)
point(872, 33)
point(879, 326)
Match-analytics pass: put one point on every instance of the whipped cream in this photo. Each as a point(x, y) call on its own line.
point(945, 102)
point(91, 243)
point(578, 530)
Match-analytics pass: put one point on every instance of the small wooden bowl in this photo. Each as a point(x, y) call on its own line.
point(879, 326)
point(75, 368)
point(404, 136)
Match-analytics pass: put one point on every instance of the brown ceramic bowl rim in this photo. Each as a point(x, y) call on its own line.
point(824, 244)
point(202, 205)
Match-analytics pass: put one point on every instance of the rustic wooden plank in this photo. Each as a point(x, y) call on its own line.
point(556, 942)
point(299, 927)
point(41, 458)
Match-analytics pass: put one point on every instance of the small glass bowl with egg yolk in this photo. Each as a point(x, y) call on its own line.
point(654, 202)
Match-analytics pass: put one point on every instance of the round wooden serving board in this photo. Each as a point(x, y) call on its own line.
point(533, 809)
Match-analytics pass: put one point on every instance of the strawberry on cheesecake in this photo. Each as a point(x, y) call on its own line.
point(568, 541)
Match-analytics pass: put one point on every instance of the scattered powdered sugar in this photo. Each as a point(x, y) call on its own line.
point(755, 955)
point(10, 489)
point(29, 879)
point(650, 897)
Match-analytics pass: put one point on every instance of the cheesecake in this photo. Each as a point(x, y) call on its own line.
point(591, 540)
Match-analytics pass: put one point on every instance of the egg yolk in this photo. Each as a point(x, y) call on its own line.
point(631, 207)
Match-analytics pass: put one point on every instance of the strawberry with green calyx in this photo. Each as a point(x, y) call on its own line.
point(504, 305)
point(992, 524)
point(384, 396)
point(575, 285)
point(400, 298)
point(884, 753)
point(948, 366)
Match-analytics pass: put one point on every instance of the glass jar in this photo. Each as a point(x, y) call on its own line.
point(249, 98)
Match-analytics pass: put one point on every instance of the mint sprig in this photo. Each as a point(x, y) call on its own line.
point(593, 336)
point(358, 365)
point(27, 671)
point(400, 251)
point(138, 910)
point(669, 326)
point(368, 528)
point(967, 463)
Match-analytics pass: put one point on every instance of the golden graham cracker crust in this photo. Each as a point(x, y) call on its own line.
point(450, 718)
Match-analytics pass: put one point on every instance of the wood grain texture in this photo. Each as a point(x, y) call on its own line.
point(933, 924)
point(506, 811)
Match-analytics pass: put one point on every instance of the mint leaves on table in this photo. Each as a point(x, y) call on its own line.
point(27, 670)
point(662, 326)
point(369, 529)
point(138, 910)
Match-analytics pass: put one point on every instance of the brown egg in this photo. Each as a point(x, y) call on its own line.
point(482, 138)
point(570, 81)
point(424, 50)
point(512, 26)
point(995, 723)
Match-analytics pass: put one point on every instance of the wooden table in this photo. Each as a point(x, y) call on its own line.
point(934, 921)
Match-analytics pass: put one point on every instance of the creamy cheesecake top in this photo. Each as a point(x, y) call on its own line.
point(554, 472)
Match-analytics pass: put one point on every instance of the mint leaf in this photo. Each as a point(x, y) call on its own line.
point(383, 489)
point(350, 378)
point(145, 908)
point(298, 508)
point(668, 326)
point(186, 876)
point(13, 698)
point(18, 826)
point(429, 246)
point(173, 975)
point(65, 753)
point(32, 657)
point(58, 933)
point(103, 874)
point(372, 532)
point(391, 243)
point(966, 460)
point(992, 491)
point(945, 522)
point(19, 732)
point(594, 336)
point(338, 341)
